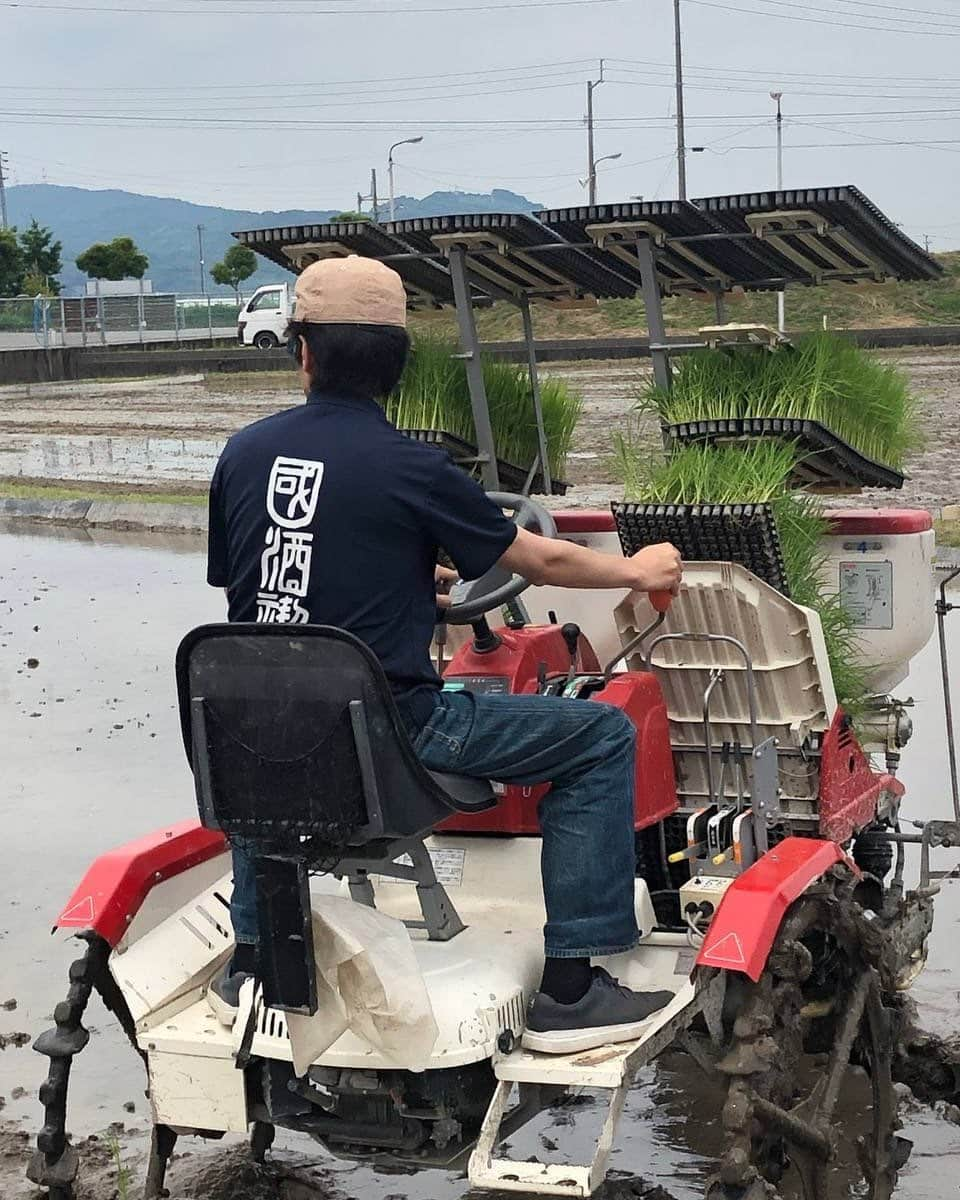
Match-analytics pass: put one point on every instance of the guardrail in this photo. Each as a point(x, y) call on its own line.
point(144, 318)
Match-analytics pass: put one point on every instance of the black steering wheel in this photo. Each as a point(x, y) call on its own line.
point(470, 600)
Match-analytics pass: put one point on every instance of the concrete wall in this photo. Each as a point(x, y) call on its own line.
point(36, 366)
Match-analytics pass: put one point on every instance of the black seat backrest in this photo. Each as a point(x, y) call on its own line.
point(296, 743)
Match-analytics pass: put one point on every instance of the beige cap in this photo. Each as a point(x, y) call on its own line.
point(350, 291)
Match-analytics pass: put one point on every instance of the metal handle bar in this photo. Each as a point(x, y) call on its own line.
point(730, 641)
point(943, 607)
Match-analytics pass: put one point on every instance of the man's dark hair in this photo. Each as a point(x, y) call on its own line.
point(365, 361)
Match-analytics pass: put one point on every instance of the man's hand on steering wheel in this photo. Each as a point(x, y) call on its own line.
point(445, 578)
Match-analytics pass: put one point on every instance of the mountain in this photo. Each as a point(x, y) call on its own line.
point(166, 229)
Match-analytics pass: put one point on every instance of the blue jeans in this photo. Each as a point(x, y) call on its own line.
point(587, 751)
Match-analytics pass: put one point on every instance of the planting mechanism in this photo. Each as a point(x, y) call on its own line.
point(773, 889)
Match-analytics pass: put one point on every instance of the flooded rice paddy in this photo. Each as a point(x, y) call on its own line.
point(167, 433)
point(92, 757)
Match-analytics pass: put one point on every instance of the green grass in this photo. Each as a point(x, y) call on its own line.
point(948, 533)
point(194, 316)
point(758, 474)
point(14, 490)
point(825, 378)
point(844, 306)
point(433, 394)
point(124, 1172)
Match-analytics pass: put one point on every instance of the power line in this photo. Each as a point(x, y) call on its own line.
point(927, 12)
point(752, 72)
point(528, 125)
point(353, 100)
point(826, 95)
point(860, 26)
point(877, 17)
point(312, 12)
point(321, 85)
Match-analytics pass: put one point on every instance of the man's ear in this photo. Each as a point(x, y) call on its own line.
point(306, 364)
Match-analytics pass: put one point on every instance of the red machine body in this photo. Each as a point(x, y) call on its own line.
point(850, 789)
point(525, 660)
point(109, 895)
point(743, 931)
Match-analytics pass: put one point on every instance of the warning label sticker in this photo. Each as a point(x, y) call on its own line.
point(686, 961)
point(728, 951)
point(866, 592)
point(447, 866)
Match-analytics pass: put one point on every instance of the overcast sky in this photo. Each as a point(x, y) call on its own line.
point(263, 104)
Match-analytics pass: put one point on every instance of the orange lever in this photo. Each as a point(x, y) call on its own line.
point(661, 601)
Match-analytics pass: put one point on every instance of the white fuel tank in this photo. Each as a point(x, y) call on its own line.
point(880, 562)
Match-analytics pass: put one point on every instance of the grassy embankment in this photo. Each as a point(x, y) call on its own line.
point(13, 489)
point(846, 306)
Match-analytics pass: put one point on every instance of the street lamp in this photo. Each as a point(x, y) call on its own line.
point(406, 142)
point(591, 183)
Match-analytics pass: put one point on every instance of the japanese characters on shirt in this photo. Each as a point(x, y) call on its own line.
point(292, 493)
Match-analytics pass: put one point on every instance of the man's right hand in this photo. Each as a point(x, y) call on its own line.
point(658, 568)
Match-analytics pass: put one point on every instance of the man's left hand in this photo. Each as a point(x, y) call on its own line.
point(445, 578)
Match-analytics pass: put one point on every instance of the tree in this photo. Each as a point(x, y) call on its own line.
point(238, 264)
point(11, 264)
point(345, 217)
point(119, 259)
point(39, 285)
point(41, 258)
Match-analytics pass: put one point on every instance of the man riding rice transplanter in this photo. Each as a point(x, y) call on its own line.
point(325, 513)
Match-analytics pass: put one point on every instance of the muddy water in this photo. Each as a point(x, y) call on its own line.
point(164, 431)
point(92, 758)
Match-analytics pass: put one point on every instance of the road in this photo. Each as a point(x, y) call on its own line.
point(29, 341)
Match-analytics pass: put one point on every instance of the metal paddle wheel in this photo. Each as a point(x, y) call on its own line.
point(818, 1008)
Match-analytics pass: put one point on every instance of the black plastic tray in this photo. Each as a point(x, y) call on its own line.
point(464, 454)
point(740, 533)
point(825, 460)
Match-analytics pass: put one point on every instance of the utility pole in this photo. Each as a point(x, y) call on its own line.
point(781, 297)
point(203, 282)
point(926, 242)
point(681, 130)
point(374, 202)
point(3, 193)
point(591, 161)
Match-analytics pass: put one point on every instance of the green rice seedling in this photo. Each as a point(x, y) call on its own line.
point(433, 394)
point(703, 474)
point(757, 473)
point(823, 378)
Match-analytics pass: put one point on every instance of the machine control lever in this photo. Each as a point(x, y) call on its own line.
point(571, 637)
point(660, 602)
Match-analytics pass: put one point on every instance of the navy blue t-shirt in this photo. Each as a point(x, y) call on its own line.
point(326, 514)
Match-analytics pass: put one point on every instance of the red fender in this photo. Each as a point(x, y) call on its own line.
point(742, 933)
point(114, 887)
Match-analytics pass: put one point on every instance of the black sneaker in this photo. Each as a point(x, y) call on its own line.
point(608, 1013)
point(223, 994)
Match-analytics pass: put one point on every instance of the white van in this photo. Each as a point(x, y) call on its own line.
point(263, 320)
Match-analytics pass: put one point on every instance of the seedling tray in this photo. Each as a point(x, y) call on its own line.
point(825, 460)
point(740, 533)
point(464, 454)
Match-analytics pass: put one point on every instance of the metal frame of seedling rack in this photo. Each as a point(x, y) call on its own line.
point(760, 241)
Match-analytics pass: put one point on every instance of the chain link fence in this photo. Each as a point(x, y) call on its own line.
point(141, 319)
